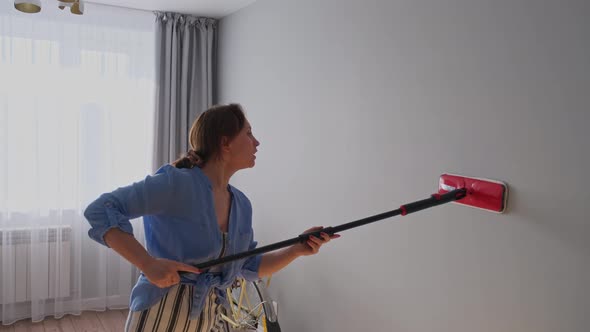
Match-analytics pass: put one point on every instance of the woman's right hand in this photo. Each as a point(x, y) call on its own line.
point(164, 272)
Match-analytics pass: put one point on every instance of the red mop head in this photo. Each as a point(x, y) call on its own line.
point(484, 194)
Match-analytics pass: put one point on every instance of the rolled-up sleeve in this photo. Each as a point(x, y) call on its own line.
point(115, 209)
point(251, 265)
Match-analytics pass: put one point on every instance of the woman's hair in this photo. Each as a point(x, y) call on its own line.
point(207, 132)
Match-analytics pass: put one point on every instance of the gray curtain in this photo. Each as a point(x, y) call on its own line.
point(186, 56)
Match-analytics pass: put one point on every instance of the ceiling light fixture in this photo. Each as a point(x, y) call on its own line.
point(34, 6)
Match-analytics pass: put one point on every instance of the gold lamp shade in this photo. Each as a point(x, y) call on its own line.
point(28, 6)
point(77, 8)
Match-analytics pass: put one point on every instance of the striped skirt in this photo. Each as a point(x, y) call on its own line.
point(171, 314)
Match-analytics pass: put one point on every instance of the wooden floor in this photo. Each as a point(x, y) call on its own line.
point(89, 321)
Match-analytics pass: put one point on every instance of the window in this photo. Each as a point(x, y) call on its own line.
point(76, 107)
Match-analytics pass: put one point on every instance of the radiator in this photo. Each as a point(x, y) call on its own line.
point(35, 264)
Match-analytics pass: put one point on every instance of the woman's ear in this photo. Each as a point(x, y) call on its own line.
point(225, 143)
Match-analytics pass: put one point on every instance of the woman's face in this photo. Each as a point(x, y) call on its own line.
point(243, 148)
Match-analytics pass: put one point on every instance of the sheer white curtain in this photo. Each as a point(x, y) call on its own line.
point(76, 119)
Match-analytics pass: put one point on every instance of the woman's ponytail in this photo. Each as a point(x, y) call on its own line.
point(191, 159)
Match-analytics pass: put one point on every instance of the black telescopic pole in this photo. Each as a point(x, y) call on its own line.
point(434, 200)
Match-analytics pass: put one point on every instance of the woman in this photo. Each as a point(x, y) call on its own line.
point(191, 215)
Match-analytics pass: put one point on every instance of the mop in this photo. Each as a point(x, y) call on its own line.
point(480, 193)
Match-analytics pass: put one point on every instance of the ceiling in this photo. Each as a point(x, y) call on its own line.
point(206, 8)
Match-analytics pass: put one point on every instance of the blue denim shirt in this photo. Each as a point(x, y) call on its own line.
point(180, 224)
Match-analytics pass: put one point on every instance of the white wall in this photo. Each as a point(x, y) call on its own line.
point(361, 105)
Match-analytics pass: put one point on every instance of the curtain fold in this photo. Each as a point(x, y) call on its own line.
point(186, 52)
point(76, 120)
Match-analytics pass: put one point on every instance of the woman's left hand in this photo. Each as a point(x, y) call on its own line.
point(313, 244)
point(272, 262)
